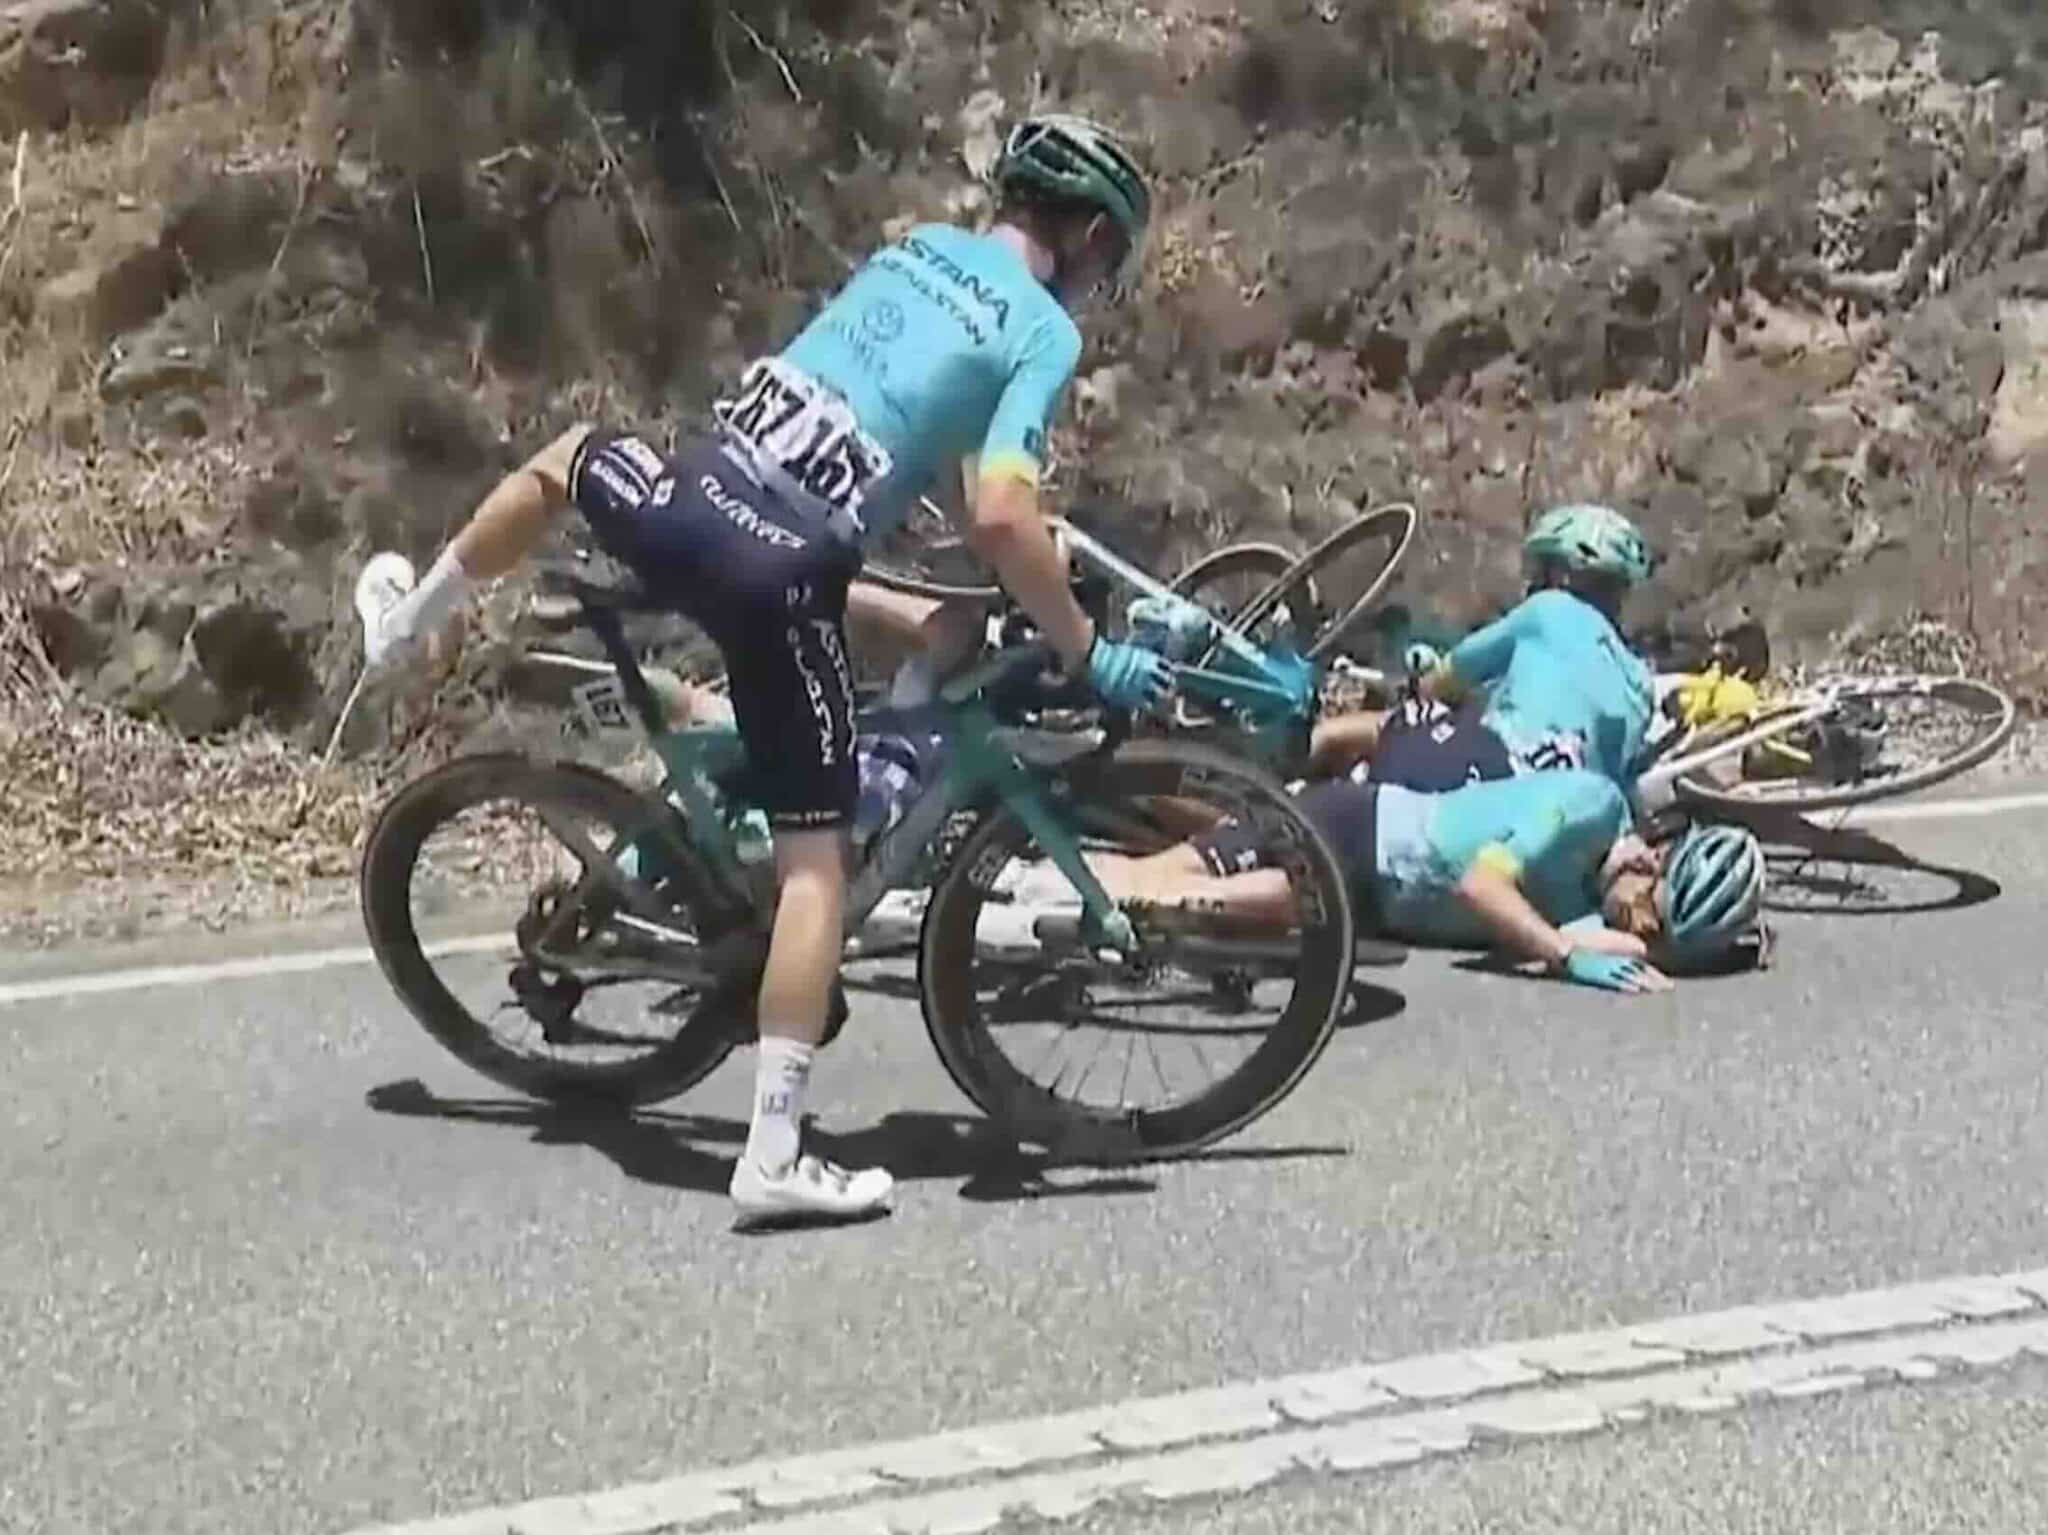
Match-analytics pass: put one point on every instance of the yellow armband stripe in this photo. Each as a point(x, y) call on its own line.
point(1011, 466)
point(1498, 859)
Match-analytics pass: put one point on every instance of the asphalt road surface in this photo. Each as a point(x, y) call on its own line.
point(273, 1264)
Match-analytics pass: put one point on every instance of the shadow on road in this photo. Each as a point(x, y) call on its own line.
point(1846, 871)
point(696, 1152)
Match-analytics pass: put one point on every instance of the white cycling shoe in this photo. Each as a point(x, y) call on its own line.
point(809, 1189)
point(386, 581)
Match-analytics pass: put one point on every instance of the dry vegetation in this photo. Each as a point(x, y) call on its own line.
point(287, 280)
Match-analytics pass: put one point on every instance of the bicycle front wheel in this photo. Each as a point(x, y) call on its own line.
point(1322, 594)
point(1226, 580)
point(1209, 1023)
point(1881, 737)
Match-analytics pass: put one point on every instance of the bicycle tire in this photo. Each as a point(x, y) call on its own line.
point(1998, 711)
point(1266, 562)
point(392, 852)
point(1298, 588)
point(1035, 1115)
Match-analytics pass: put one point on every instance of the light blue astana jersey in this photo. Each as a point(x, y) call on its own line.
point(1548, 831)
point(945, 345)
point(1564, 689)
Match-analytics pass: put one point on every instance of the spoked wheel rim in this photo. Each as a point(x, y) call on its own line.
point(574, 1000)
point(1323, 595)
point(1888, 736)
point(1110, 1056)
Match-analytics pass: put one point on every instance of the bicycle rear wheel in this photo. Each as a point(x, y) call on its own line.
point(1321, 595)
point(1103, 1060)
point(574, 1005)
point(1884, 736)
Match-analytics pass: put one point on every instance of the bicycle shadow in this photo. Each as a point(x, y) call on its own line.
point(1818, 870)
point(1367, 1004)
point(695, 1153)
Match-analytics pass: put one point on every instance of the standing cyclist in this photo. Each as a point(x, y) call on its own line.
point(946, 346)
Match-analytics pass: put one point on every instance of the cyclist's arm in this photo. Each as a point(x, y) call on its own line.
point(1570, 819)
point(1005, 521)
point(1492, 889)
point(1007, 528)
point(1479, 657)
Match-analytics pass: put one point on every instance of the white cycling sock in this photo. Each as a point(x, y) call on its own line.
point(441, 590)
point(782, 1073)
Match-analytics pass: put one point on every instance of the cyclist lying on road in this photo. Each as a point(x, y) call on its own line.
point(1545, 866)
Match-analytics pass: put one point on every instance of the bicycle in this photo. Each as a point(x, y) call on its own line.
point(1259, 591)
point(1249, 585)
point(1736, 746)
point(658, 892)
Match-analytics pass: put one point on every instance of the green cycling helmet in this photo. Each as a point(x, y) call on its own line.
point(1076, 160)
point(1712, 895)
point(1594, 539)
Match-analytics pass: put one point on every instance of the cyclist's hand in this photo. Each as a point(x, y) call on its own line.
point(1127, 676)
point(1172, 624)
point(1613, 972)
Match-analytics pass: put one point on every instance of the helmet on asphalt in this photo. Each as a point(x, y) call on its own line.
point(1595, 539)
point(1712, 894)
point(1071, 159)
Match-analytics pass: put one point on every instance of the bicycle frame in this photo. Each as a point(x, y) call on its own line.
point(979, 754)
point(1657, 784)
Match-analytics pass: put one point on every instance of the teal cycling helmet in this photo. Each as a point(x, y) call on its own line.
point(1712, 894)
point(1594, 539)
point(1072, 159)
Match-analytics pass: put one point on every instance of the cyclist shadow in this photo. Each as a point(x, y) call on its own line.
point(696, 1152)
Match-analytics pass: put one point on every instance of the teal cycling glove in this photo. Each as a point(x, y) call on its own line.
point(1127, 676)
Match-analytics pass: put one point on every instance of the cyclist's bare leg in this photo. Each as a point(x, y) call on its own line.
point(1178, 877)
point(1344, 739)
point(499, 534)
point(796, 986)
point(515, 516)
point(944, 634)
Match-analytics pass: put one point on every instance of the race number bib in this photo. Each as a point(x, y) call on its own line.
point(1555, 752)
point(793, 424)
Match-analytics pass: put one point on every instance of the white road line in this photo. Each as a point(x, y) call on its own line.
point(223, 970)
point(1236, 1438)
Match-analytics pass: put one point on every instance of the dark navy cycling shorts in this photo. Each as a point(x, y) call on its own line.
point(1345, 812)
point(1433, 748)
point(770, 590)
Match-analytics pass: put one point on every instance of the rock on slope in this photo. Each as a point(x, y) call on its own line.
point(285, 279)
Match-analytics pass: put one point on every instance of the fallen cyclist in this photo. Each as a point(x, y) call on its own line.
point(945, 347)
point(1545, 867)
point(1550, 684)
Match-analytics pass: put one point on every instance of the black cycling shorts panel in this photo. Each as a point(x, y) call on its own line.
point(1346, 813)
point(1433, 749)
point(768, 588)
